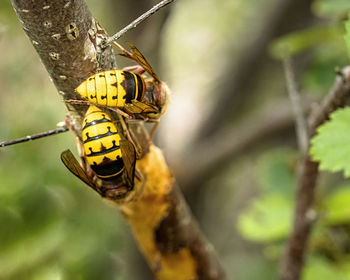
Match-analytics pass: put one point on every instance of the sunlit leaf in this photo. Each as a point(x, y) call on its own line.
point(267, 219)
point(318, 268)
point(319, 76)
point(337, 206)
point(297, 42)
point(331, 144)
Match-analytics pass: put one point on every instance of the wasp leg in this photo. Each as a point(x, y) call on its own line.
point(141, 178)
point(137, 193)
point(80, 148)
point(156, 123)
point(124, 51)
point(137, 69)
point(119, 112)
point(128, 136)
point(76, 101)
point(115, 191)
point(146, 119)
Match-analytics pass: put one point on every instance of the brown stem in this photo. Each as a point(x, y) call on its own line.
point(293, 261)
point(34, 136)
point(296, 101)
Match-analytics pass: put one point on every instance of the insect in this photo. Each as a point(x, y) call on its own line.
point(110, 157)
point(128, 90)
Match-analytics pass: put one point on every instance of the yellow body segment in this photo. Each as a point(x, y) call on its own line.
point(113, 88)
point(101, 89)
point(121, 89)
point(91, 90)
point(101, 143)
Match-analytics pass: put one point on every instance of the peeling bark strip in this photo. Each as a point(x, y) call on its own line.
point(67, 40)
point(165, 229)
point(292, 264)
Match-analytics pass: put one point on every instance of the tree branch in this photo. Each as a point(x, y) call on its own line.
point(295, 98)
point(293, 261)
point(67, 39)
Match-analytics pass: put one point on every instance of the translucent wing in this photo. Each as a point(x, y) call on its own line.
point(138, 107)
point(129, 158)
point(140, 59)
point(73, 165)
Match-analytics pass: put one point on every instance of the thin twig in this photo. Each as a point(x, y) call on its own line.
point(34, 136)
point(292, 264)
point(133, 24)
point(295, 98)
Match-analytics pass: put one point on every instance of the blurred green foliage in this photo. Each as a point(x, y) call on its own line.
point(347, 35)
point(267, 218)
point(330, 9)
point(300, 41)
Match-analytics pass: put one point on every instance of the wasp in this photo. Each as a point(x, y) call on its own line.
point(111, 157)
point(126, 90)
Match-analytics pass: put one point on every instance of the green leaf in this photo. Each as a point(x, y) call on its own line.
point(267, 219)
point(347, 34)
point(297, 42)
point(331, 145)
point(330, 8)
point(276, 171)
point(320, 268)
point(337, 206)
point(319, 75)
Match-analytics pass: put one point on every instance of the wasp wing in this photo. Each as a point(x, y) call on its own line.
point(129, 159)
point(73, 165)
point(138, 107)
point(140, 59)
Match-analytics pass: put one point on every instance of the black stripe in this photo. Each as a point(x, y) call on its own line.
point(109, 167)
point(140, 87)
point(99, 136)
point(103, 151)
point(103, 120)
point(129, 84)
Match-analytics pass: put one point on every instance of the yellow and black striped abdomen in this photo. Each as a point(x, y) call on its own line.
point(113, 88)
point(102, 144)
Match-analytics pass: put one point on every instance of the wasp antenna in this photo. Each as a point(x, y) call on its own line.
point(133, 24)
point(34, 136)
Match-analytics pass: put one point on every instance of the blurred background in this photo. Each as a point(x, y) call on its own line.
point(228, 136)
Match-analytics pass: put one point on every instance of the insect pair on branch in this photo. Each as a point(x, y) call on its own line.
point(108, 151)
point(111, 153)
